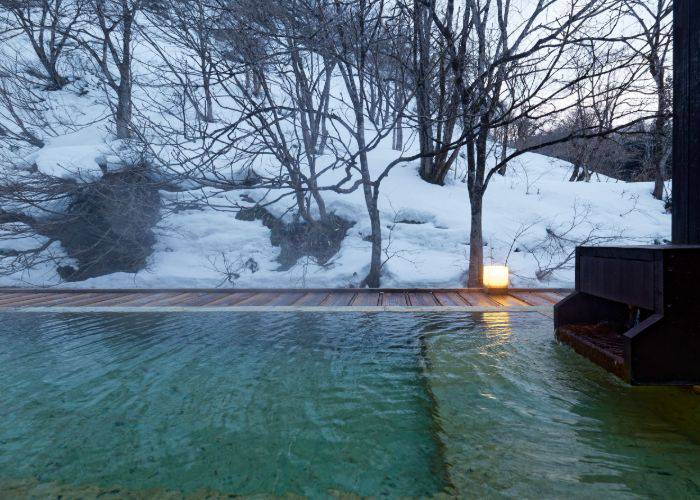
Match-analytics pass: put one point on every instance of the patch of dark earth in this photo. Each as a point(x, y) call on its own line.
point(320, 240)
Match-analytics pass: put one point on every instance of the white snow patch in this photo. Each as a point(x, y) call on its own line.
point(74, 156)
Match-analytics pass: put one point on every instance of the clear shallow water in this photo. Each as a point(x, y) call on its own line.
point(322, 404)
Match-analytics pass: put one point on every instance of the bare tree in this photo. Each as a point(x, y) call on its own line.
point(48, 25)
point(107, 35)
point(189, 25)
point(520, 58)
point(437, 97)
point(360, 31)
point(653, 44)
point(23, 110)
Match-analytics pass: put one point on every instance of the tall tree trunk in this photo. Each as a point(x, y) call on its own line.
point(373, 278)
point(575, 174)
point(123, 113)
point(124, 104)
point(476, 156)
point(476, 242)
point(658, 155)
point(421, 63)
point(208, 99)
point(504, 150)
point(397, 133)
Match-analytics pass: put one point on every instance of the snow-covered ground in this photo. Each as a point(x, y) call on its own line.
point(426, 227)
point(426, 230)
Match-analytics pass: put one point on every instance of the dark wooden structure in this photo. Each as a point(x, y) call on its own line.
point(686, 122)
point(316, 299)
point(634, 311)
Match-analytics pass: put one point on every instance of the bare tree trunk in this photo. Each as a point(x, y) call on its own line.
point(575, 174)
point(208, 99)
point(658, 151)
point(373, 278)
point(117, 52)
point(123, 112)
point(421, 62)
point(476, 243)
point(476, 154)
point(397, 134)
point(504, 150)
point(371, 193)
point(57, 82)
point(124, 103)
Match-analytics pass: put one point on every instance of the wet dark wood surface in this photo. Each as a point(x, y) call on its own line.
point(280, 298)
point(601, 343)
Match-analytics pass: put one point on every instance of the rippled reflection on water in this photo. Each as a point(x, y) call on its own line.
point(311, 404)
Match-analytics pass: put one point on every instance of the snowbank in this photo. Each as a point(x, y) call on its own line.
point(426, 231)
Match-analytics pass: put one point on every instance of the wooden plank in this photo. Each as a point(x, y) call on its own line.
point(366, 298)
point(559, 295)
point(422, 299)
point(286, 299)
point(551, 297)
point(203, 300)
point(531, 299)
point(508, 300)
point(394, 299)
point(83, 299)
point(279, 297)
point(175, 299)
point(24, 299)
point(69, 299)
point(259, 299)
point(145, 299)
point(311, 299)
point(106, 299)
point(229, 299)
point(450, 299)
point(339, 299)
point(119, 299)
point(478, 299)
point(88, 299)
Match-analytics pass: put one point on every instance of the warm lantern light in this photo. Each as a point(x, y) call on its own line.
point(496, 277)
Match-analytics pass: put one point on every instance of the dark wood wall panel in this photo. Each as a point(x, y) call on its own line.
point(686, 123)
point(628, 281)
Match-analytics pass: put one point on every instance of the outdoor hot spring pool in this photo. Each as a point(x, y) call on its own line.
point(328, 404)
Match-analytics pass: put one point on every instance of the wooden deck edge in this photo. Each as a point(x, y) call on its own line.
point(260, 309)
point(269, 290)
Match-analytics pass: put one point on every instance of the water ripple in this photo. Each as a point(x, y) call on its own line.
point(318, 404)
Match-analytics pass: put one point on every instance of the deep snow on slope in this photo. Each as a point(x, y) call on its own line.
point(426, 230)
point(425, 227)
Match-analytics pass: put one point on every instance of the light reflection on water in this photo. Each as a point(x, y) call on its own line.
point(311, 404)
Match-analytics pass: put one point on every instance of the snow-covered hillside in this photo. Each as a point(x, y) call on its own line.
point(426, 230)
point(533, 217)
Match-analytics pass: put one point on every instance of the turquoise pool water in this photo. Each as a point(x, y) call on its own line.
point(328, 404)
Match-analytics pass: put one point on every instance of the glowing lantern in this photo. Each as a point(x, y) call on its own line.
point(496, 277)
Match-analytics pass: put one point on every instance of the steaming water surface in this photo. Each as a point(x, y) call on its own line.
point(317, 404)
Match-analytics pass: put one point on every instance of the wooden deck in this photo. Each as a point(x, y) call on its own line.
point(42, 300)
